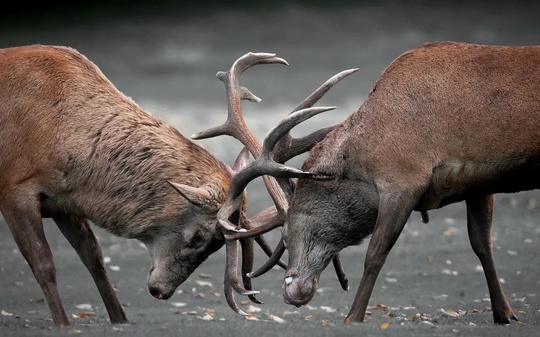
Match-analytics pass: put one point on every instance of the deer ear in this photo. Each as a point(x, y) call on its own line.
point(199, 196)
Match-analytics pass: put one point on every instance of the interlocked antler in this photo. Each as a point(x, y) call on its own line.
point(264, 164)
point(279, 189)
point(236, 127)
point(279, 146)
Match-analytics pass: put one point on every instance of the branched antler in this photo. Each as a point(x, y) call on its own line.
point(236, 127)
point(235, 124)
point(278, 147)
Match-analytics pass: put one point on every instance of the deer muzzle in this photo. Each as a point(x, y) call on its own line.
point(298, 291)
point(160, 285)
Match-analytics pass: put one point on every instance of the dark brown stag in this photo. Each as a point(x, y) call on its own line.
point(446, 122)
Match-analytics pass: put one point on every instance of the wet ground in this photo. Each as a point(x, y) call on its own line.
point(166, 60)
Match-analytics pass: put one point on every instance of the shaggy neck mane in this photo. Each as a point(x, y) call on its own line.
point(132, 160)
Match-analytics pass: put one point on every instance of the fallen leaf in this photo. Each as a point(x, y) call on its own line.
point(378, 307)
point(452, 312)
point(206, 317)
point(84, 306)
point(204, 283)
point(251, 317)
point(327, 309)
point(178, 304)
point(384, 325)
point(276, 319)
point(253, 308)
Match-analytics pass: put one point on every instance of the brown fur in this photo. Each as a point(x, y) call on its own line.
point(445, 122)
point(74, 148)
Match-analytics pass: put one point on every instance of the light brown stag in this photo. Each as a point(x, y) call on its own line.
point(74, 148)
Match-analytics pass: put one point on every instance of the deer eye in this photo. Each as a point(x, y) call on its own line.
point(196, 240)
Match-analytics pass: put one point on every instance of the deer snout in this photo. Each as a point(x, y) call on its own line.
point(298, 291)
point(157, 293)
point(158, 287)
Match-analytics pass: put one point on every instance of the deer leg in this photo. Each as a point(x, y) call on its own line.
point(394, 210)
point(81, 237)
point(479, 215)
point(26, 225)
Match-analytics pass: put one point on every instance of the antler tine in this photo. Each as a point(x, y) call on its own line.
point(323, 89)
point(231, 280)
point(272, 261)
point(289, 147)
point(235, 125)
point(247, 266)
point(293, 119)
point(270, 217)
point(231, 283)
point(342, 277)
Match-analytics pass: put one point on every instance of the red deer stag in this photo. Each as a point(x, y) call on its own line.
point(446, 122)
point(75, 149)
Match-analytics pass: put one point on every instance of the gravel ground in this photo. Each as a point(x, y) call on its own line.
point(167, 58)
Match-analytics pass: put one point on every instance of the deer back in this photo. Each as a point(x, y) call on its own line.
point(68, 132)
point(458, 115)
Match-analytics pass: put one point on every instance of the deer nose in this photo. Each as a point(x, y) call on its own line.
point(298, 291)
point(156, 292)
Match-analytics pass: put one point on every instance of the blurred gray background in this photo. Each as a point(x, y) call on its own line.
point(165, 54)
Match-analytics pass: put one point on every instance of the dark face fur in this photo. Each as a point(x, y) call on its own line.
point(178, 252)
point(324, 217)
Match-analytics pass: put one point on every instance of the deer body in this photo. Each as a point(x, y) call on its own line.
point(446, 122)
point(72, 147)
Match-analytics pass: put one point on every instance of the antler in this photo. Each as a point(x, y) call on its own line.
point(264, 164)
point(280, 145)
point(279, 190)
point(236, 127)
